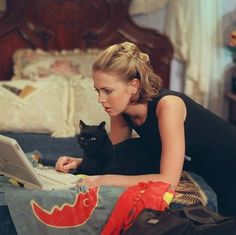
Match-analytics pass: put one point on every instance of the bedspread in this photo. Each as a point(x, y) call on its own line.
point(78, 210)
point(74, 211)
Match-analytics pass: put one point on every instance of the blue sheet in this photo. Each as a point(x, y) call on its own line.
point(51, 148)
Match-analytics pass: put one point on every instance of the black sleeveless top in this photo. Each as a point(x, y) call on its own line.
point(210, 142)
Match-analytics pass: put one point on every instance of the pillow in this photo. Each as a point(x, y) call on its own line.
point(39, 64)
point(76, 67)
point(84, 102)
point(36, 107)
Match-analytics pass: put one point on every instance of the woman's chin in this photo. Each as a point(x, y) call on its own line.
point(111, 113)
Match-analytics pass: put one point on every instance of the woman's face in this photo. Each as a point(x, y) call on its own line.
point(113, 93)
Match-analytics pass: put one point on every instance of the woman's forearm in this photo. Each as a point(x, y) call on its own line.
point(127, 180)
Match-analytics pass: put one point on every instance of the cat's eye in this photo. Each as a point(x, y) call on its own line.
point(92, 138)
point(81, 138)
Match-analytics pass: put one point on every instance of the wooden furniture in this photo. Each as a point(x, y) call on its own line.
point(232, 107)
point(69, 24)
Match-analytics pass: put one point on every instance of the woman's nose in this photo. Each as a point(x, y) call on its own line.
point(101, 98)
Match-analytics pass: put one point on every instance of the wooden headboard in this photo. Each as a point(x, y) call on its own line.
point(70, 24)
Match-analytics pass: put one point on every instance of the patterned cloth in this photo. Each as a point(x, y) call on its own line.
point(75, 211)
point(189, 193)
point(192, 191)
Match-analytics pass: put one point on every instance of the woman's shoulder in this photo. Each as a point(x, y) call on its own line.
point(167, 96)
point(166, 92)
point(168, 99)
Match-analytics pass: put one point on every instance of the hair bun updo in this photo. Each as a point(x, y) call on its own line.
point(127, 60)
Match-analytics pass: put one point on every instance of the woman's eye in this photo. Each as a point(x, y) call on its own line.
point(93, 138)
point(108, 91)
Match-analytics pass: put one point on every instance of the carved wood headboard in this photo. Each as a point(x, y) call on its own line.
point(70, 24)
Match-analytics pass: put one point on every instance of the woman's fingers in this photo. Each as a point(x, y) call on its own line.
point(61, 163)
point(65, 163)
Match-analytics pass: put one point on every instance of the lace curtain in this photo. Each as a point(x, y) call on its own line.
point(146, 6)
point(195, 30)
point(2, 5)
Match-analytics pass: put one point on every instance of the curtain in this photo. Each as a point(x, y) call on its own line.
point(146, 6)
point(2, 5)
point(195, 29)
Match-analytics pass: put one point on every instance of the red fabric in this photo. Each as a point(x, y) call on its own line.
point(131, 203)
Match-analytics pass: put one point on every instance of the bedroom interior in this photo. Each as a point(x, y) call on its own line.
point(47, 49)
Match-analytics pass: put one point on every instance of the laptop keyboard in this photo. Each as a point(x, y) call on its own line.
point(50, 175)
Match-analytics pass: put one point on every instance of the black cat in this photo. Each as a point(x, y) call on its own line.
point(129, 157)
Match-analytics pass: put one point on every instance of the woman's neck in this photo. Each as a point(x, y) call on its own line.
point(137, 112)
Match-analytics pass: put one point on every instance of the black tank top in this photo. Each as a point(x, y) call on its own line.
point(209, 140)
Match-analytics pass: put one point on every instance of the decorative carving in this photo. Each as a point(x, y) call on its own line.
point(90, 39)
point(70, 24)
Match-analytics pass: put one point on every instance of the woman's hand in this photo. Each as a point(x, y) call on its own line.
point(66, 163)
point(89, 181)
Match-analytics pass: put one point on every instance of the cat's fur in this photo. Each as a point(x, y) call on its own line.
point(101, 157)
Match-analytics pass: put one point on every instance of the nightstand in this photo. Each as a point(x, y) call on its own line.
point(232, 107)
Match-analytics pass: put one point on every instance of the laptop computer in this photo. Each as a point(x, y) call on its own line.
point(14, 164)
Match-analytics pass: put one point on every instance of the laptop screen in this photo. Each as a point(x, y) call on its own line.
point(14, 163)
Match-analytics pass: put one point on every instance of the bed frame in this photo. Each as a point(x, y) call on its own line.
point(69, 24)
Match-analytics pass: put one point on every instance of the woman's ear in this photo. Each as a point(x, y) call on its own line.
point(134, 85)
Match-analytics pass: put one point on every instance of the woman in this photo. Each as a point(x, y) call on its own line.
point(181, 132)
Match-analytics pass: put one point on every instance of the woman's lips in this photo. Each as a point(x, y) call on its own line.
point(107, 109)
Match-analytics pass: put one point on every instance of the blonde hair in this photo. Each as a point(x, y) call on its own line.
point(127, 60)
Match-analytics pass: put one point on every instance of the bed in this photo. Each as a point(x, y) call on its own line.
point(47, 48)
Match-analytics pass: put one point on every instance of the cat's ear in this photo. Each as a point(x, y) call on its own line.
point(82, 124)
point(102, 124)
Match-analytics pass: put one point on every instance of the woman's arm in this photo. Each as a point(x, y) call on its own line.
point(171, 113)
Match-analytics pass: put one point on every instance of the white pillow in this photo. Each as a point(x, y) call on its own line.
point(85, 102)
point(73, 65)
point(43, 110)
point(39, 64)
